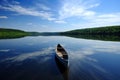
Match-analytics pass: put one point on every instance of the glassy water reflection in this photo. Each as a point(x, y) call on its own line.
point(33, 58)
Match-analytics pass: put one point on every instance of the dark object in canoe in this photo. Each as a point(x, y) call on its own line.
point(62, 55)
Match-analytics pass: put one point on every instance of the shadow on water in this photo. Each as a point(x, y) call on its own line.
point(98, 37)
point(93, 37)
point(63, 70)
point(12, 37)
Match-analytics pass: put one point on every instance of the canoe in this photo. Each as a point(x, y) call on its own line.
point(62, 55)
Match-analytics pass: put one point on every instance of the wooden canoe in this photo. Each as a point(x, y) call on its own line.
point(62, 55)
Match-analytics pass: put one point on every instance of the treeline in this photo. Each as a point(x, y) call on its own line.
point(11, 33)
point(108, 30)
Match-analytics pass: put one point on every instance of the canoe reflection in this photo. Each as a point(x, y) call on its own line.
point(63, 70)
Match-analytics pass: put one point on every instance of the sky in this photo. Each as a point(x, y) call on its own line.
point(58, 15)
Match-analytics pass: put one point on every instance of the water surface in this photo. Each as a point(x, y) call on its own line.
point(33, 58)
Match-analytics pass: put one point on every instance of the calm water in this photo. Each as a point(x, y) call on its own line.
point(33, 58)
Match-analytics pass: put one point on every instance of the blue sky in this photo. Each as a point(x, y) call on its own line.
point(58, 15)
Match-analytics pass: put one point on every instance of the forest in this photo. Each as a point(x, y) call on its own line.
point(108, 30)
point(11, 33)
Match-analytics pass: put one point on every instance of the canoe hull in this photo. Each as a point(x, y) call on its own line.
point(62, 56)
point(61, 61)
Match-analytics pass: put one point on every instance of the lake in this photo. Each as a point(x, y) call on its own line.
point(33, 58)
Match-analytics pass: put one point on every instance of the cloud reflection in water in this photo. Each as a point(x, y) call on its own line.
point(88, 67)
point(45, 52)
point(4, 50)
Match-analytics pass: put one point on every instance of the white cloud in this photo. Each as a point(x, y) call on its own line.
point(89, 13)
point(94, 5)
point(51, 19)
point(43, 7)
point(3, 17)
point(105, 19)
point(81, 9)
point(27, 11)
point(114, 17)
point(99, 20)
point(60, 21)
point(72, 8)
point(69, 9)
point(29, 23)
point(15, 2)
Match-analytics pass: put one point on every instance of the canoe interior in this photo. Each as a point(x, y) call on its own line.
point(61, 52)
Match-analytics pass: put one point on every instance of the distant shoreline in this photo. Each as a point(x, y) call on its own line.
point(101, 33)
